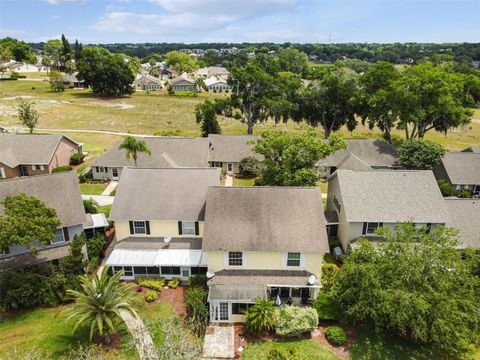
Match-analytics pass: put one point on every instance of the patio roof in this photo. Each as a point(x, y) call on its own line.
point(236, 293)
point(280, 278)
point(151, 257)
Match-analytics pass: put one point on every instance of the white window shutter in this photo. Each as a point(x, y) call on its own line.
point(225, 258)
point(302, 260)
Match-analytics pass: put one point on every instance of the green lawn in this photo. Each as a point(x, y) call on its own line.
point(47, 330)
point(160, 114)
point(323, 186)
point(92, 189)
point(243, 181)
point(105, 209)
point(301, 349)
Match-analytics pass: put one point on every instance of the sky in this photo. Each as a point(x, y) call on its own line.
point(279, 21)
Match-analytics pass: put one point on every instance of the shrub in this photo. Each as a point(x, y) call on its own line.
point(61, 169)
point(173, 283)
point(328, 275)
point(197, 281)
point(82, 178)
point(445, 187)
point(249, 167)
point(463, 193)
point(95, 246)
point(153, 284)
point(178, 342)
point(333, 242)
point(91, 206)
point(295, 321)
point(260, 317)
point(76, 158)
point(197, 310)
point(151, 296)
point(325, 306)
point(336, 335)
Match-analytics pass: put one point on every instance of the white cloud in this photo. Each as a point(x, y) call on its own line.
point(55, 17)
point(56, 2)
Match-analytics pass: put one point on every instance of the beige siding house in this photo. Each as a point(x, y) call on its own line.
point(159, 221)
point(34, 154)
point(183, 83)
point(147, 83)
point(257, 249)
point(58, 191)
point(166, 153)
point(360, 202)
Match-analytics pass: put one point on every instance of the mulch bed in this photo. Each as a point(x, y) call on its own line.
point(241, 339)
point(175, 298)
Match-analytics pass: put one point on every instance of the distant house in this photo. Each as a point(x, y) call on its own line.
point(217, 84)
point(183, 83)
point(71, 82)
point(213, 71)
point(360, 202)
point(159, 222)
point(257, 249)
point(147, 83)
point(465, 217)
point(58, 191)
point(226, 151)
point(361, 154)
point(462, 170)
point(34, 154)
point(166, 153)
point(15, 66)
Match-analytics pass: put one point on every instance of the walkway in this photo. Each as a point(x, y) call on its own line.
point(228, 180)
point(112, 185)
point(219, 342)
point(141, 336)
point(102, 200)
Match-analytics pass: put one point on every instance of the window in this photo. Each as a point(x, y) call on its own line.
point(200, 270)
point(235, 258)
point(218, 164)
point(101, 169)
point(239, 308)
point(2, 173)
point(59, 238)
point(170, 270)
point(476, 189)
point(188, 227)
point(139, 227)
point(370, 227)
point(293, 259)
point(37, 167)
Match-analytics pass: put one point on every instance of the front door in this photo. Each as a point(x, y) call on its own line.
point(114, 174)
point(230, 168)
point(220, 311)
point(23, 170)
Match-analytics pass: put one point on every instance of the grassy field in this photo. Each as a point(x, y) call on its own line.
point(243, 181)
point(301, 349)
point(47, 330)
point(156, 113)
point(92, 189)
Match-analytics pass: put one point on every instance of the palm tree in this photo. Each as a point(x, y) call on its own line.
point(133, 147)
point(100, 301)
point(260, 317)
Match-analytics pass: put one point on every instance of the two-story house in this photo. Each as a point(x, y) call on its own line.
point(34, 154)
point(262, 242)
point(166, 153)
point(159, 222)
point(58, 191)
point(360, 202)
point(462, 170)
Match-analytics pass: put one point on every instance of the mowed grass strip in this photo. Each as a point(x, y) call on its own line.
point(92, 189)
point(302, 349)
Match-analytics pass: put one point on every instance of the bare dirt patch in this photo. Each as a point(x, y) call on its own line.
point(122, 105)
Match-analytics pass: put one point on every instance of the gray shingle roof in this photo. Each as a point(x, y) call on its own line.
point(391, 196)
point(265, 219)
point(372, 152)
point(462, 167)
point(58, 191)
point(28, 149)
point(465, 216)
point(49, 254)
point(166, 153)
point(163, 194)
point(231, 148)
point(261, 277)
point(159, 243)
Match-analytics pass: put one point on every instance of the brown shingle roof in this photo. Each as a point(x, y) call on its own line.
point(29, 149)
point(58, 191)
point(163, 194)
point(231, 148)
point(391, 196)
point(265, 219)
point(166, 153)
point(462, 167)
point(465, 216)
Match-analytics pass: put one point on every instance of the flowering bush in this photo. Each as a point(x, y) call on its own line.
point(295, 321)
point(173, 284)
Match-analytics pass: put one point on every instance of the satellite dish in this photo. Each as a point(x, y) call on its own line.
point(167, 239)
point(210, 274)
point(312, 279)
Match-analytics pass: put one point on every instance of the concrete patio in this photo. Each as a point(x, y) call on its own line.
point(219, 342)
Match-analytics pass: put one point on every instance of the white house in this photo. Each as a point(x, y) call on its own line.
point(217, 84)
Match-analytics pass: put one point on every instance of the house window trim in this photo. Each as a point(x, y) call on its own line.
point(191, 229)
point(3, 175)
point(367, 223)
point(227, 259)
point(38, 167)
point(145, 227)
point(63, 237)
point(301, 260)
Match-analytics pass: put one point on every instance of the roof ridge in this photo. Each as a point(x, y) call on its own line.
point(36, 176)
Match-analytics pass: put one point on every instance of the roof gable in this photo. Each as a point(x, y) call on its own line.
point(462, 167)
